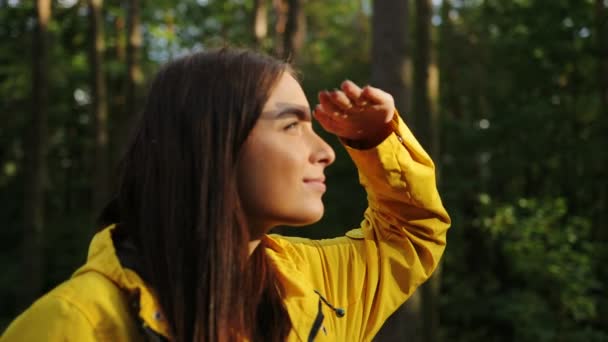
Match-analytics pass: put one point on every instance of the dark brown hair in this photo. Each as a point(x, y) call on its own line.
point(178, 200)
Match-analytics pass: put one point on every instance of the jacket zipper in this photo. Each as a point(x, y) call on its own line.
point(317, 324)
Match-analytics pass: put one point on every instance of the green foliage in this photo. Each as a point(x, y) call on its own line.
point(551, 253)
point(539, 281)
point(522, 174)
point(523, 165)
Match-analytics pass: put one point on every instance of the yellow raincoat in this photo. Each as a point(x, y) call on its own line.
point(340, 289)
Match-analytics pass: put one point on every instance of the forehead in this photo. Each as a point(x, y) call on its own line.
point(287, 92)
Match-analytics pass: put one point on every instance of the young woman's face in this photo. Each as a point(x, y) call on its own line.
point(281, 171)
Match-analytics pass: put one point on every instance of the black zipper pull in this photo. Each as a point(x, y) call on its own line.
point(339, 311)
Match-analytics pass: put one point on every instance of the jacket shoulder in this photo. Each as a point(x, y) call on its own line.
point(88, 307)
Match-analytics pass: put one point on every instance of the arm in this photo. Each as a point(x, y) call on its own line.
point(372, 270)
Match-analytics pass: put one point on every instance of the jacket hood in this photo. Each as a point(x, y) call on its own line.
point(103, 259)
point(301, 299)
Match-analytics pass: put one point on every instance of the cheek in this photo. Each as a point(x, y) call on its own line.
point(276, 167)
point(268, 172)
point(271, 187)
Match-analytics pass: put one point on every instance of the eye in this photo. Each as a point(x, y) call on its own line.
point(292, 125)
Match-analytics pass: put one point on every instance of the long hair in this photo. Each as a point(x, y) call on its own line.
point(179, 204)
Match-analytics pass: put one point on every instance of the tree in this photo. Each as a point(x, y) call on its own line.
point(523, 108)
point(290, 28)
point(260, 22)
point(134, 73)
point(600, 234)
point(391, 66)
point(422, 60)
point(100, 105)
point(35, 160)
point(448, 97)
point(602, 41)
point(391, 61)
point(427, 131)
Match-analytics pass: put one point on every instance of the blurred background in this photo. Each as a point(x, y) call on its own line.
point(509, 96)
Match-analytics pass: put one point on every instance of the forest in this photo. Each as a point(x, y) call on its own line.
point(510, 98)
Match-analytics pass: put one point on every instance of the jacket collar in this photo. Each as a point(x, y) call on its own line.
point(301, 301)
point(102, 258)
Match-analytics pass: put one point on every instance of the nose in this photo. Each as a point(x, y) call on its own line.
point(322, 152)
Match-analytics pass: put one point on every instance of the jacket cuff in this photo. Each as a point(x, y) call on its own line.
point(393, 127)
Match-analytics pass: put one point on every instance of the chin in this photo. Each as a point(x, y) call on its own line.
point(308, 217)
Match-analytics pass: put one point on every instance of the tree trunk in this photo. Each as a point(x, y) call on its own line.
point(602, 40)
point(290, 28)
point(280, 10)
point(100, 106)
point(431, 291)
point(120, 45)
point(134, 75)
point(449, 100)
point(35, 162)
point(117, 97)
point(422, 57)
point(427, 130)
point(391, 62)
point(295, 30)
point(599, 232)
point(391, 65)
point(260, 22)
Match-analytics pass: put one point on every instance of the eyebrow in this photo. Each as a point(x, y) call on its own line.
point(302, 113)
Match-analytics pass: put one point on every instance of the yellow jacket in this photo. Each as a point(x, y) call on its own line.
point(363, 276)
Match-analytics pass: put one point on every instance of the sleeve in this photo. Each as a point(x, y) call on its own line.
point(373, 269)
point(50, 319)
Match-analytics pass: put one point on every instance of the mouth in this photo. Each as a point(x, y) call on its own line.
point(316, 183)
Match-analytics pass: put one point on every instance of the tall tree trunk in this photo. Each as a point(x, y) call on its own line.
point(260, 22)
point(600, 219)
point(391, 65)
point(391, 61)
point(295, 29)
point(601, 26)
point(427, 130)
point(449, 100)
point(290, 28)
point(280, 8)
point(120, 45)
point(422, 58)
point(100, 106)
point(117, 99)
point(35, 161)
point(602, 40)
point(134, 74)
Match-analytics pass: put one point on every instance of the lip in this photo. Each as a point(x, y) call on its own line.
point(316, 183)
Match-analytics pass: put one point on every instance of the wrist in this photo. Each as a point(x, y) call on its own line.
point(374, 138)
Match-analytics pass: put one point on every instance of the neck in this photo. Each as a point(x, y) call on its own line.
point(253, 244)
point(257, 229)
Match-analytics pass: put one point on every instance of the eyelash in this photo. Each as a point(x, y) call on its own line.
point(292, 125)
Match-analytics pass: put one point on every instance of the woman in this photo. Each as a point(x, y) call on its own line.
point(225, 151)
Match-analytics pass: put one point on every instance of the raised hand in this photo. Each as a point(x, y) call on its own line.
point(356, 114)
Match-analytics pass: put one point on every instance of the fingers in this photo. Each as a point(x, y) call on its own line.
point(351, 94)
point(351, 90)
point(362, 96)
point(328, 105)
point(326, 120)
point(376, 95)
point(353, 111)
point(340, 99)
